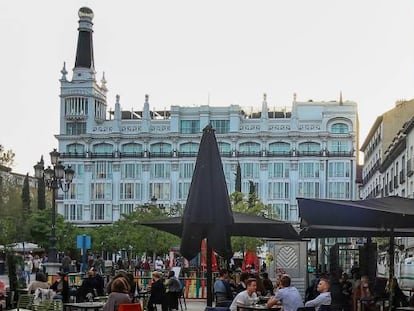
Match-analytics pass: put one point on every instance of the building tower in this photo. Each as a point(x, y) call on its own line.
point(83, 101)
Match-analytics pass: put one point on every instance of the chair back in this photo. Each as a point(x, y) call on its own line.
point(130, 307)
point(25, 301)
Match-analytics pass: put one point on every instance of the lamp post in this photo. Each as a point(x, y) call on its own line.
point(55, 177)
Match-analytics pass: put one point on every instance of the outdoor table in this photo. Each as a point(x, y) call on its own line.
point(83, 306)
point(404, 309)
point(259, 307)
point(372, 300)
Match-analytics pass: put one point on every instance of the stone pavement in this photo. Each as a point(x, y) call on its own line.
point(195, 305)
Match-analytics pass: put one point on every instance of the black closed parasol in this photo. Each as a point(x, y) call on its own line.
point(207, 213)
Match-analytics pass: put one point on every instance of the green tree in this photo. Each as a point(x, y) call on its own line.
point(26, 195)
point(252, 206)
point(40, 224)
point(126, 234)
point(238, 178)
point(6, 156)
point(41, 190)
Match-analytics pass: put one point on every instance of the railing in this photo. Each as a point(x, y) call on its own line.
point(160, 154)
point(102, 155)
point(279, 153)
point(187, 154)
point(249, 153)
point(73, 155)
point(340, 153)
point(131, 154)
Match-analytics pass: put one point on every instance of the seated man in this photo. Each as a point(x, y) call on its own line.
point(247, 297)
point(288, 295)
point(324, 297)
point(222, 290)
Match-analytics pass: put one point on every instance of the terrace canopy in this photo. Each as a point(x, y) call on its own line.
point(244, 225)
point(389, 216)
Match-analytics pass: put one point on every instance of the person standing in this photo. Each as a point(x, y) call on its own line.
point(324, 297)
point(287, 295)
point(28, 267)
point(247, 297)
point(159, 264)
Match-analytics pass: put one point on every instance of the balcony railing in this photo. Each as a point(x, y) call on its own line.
point(160, 154)
point(340, 153)
point(279, 153)
point(187, 154)
point(131, 154)
point(102, 155)
point(73, 155)
point(249, 153)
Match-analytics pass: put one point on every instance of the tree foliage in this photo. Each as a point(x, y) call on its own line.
point(238, 178)
point(253, 206)
point(26, 195)
point(6, 156)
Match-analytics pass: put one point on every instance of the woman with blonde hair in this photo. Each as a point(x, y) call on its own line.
point(119, 294)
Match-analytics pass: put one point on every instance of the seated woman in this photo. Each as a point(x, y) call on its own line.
point(119, 294)
point(173, 289)
point(39, 282)
point(157, 292)
point(61, 287)
point(364, 294)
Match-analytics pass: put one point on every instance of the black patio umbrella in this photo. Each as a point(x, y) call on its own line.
point(244, 225)
point(389, 217)
point(207, 213)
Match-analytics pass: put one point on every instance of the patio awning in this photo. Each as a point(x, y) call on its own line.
point(390, 216)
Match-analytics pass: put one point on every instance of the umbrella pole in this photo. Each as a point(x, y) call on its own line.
point(391, 271)
point(209, 276)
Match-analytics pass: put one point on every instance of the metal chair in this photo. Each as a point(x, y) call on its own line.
point(24, 302)
point(182, 295)
point(130, 307)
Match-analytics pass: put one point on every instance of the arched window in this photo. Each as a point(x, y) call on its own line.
point(160, 148)
point(189, 148)
point(309, 148)
point(279, 147)
point(103, 148)
point(224, 147)
point(339, 128)
point(132, 148)
point(75, 148)
point(249, 147)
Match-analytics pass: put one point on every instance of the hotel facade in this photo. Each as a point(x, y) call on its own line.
point(124, 159)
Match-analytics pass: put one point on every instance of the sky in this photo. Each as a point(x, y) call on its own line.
point(191, 52)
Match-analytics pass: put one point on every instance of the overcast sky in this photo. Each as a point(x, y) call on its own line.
point(185, 52)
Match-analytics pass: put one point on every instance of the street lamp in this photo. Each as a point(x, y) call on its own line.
point(55, 177)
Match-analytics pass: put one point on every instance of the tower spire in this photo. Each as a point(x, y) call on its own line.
point(84, 51)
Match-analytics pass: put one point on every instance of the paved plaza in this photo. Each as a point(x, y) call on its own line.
point(192, 304)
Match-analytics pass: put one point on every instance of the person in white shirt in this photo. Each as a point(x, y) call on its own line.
point(324, 297)
point(247, 297)
point(288, 295)
point(159, 264)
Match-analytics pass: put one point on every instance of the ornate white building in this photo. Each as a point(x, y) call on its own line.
point(123, 158)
